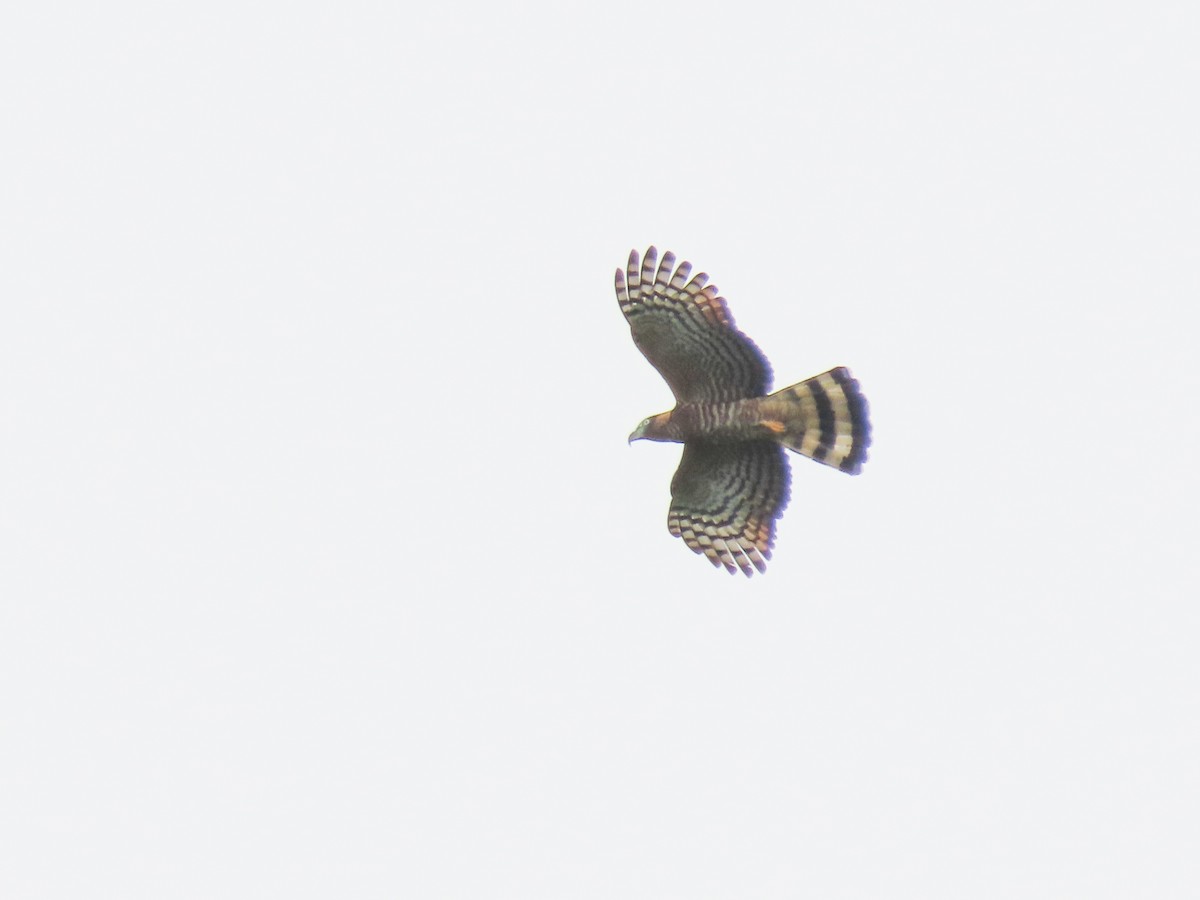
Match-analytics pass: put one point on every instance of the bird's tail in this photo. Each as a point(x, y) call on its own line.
point(824, 418)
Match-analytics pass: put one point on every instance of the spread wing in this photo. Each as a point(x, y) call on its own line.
point(725, 499)
point(684, 328)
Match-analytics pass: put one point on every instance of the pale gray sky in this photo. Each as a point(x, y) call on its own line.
point(326, 568)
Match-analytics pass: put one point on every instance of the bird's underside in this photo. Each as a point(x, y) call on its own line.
point(732, 482)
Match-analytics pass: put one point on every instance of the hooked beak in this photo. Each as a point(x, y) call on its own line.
point(638, 433)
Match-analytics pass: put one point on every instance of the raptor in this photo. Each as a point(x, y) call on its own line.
point(733, 480)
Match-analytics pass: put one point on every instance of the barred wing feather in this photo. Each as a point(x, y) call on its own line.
point(684, 328)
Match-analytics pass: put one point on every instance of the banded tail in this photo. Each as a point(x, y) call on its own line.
point(824, 418)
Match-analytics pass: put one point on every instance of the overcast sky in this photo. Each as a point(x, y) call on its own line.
point(325, 568)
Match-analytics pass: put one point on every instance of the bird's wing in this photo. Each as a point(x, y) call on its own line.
point(684, 328)
point(725, 498)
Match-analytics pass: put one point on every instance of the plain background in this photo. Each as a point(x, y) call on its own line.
point(326, 569)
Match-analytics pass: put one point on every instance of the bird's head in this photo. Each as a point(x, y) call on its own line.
point(655, 428)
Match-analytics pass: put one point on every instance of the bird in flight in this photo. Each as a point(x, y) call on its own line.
point(732, 482)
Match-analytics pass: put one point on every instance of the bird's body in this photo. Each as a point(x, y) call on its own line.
point(732, 483)
point(737, 420)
